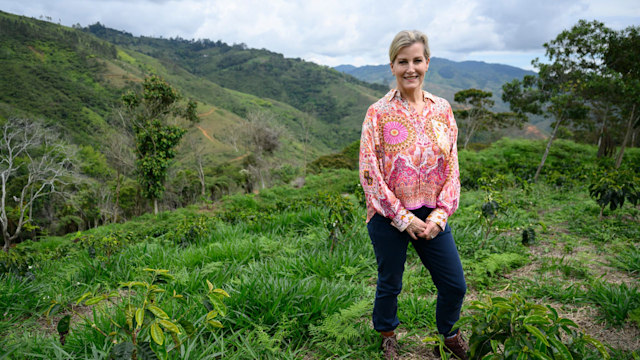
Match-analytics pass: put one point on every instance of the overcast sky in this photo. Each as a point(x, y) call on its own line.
point(357, 32)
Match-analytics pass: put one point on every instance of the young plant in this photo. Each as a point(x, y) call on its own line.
point(515, 329)
point(612, 188)
point(494, 203)
point(144, 330)
point(341, 212)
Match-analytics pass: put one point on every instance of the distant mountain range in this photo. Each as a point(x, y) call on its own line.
point(446, 77)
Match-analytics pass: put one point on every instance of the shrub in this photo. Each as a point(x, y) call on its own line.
point(611, 188)
point(515, 329)
point(139, 324)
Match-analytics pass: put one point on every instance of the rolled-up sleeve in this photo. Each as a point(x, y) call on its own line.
point(447, 200)
point(377, 192)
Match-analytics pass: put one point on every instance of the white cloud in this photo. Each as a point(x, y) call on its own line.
point(358, 32)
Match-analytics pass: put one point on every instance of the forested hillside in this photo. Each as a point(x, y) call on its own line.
point(328, 95)
point(72, 81)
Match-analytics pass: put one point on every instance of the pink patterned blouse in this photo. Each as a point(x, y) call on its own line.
point(409, 160)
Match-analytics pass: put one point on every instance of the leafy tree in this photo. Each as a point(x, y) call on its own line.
point(33, 164)
point(622, 56)
point(478, 117)
point(155, 139)
point(551, 93)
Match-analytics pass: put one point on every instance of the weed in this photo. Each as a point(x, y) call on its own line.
point(614, 301)
point(627, 258)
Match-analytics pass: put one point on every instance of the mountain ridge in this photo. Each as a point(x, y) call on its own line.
point(446, 77)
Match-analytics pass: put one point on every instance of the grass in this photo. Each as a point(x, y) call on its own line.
point(291, 297)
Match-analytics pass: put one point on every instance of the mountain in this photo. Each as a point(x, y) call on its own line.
point(446, 77)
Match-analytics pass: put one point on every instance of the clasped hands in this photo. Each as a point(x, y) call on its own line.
point(423, 229)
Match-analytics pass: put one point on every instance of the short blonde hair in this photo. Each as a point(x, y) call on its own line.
point(407, 38)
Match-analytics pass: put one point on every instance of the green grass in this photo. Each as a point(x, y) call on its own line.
point(292, 297)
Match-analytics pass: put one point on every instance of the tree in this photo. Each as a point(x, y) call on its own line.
point(118, 150)
point(622, 56)
point(33, 164)
point(477, 116)
point(156, 140)
point(550, 93)
point(581, 51)
point(263, 140)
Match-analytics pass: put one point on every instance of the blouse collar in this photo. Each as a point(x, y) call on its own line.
point(395, 93)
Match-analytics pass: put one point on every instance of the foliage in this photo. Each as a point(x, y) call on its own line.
point(485, 269)
point(59, 75)
point(144, 329)
point(340, 219)
point(155, 140)
point(476, 115)
point(627, 258)
point(516, 329)
point(611, 188)
point(494, 203)
point(33, 165)
point(615, 302)
point(338, 333)
point(346, 159)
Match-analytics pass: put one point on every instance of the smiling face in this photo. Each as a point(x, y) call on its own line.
point(409, 68)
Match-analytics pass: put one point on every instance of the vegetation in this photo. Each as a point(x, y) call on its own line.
point(155, 139)
point(299, 283)
point(476, 116)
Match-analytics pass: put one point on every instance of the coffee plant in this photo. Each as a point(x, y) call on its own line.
point(515, 329)
point(612, 188)
point(146, 330)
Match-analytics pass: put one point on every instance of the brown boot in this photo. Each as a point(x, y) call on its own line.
point(455, 345)
point(389, 347)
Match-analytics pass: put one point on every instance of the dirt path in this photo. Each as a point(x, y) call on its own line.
point(204, 132)
point(207, 113)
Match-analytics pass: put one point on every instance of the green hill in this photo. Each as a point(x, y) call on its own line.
point(74, 77)
point(334, 98)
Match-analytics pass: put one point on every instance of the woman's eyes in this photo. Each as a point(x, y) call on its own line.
point(405, 61)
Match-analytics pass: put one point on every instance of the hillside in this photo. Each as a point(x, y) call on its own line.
point(446, 77)
point(73, 79)
point(336, 99)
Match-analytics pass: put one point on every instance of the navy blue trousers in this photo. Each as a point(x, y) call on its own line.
point(438, 255)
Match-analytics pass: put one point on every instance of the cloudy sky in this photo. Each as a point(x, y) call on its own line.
point(357, 32)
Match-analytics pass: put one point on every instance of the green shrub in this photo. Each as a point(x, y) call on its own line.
point(611, 188)
point(515, 329)
point(143, 316)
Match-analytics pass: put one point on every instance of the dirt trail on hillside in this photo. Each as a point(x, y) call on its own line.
point(204, 132)
point(207, 113)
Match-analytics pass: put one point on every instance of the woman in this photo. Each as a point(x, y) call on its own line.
point(409, 173)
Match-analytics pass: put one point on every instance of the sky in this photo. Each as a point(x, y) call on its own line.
point(355, 32)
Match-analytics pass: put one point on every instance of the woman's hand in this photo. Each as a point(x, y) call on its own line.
point(416, 228)
point(431, 230)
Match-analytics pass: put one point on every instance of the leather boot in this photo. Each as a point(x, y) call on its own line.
point(389, 347)
point(455, 345)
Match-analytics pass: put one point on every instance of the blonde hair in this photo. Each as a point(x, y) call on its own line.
point(406, 38)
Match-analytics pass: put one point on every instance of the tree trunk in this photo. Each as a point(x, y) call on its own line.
point(603, 130)
point(155, 206)
point(203, 186)
point(469, 134)
point(626, 137)
point(546, 151)
point(115, 210)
